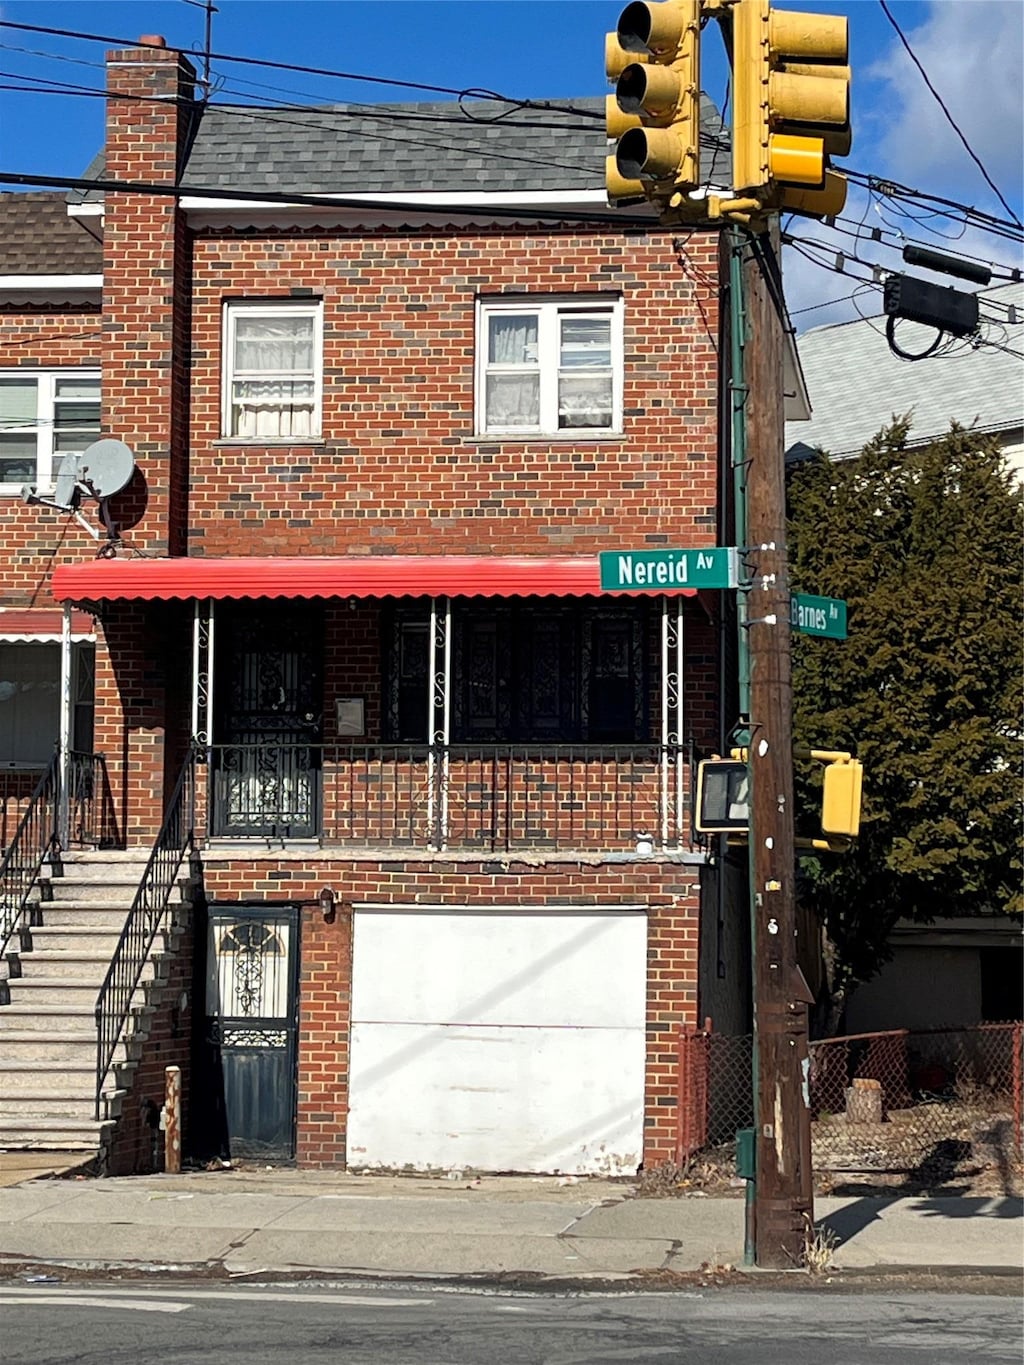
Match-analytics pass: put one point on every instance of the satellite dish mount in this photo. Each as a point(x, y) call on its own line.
point(100, 471)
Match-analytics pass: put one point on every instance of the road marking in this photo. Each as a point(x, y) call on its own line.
point(155, 1299)
point(132, 1304)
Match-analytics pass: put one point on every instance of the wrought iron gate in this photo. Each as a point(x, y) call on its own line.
point(269, 722)
point(250, 1031)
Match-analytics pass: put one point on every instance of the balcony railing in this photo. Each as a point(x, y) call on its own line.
point(487, 797)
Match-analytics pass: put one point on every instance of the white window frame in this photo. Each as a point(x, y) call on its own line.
point(236, 308)
point(44, 425)
point(548, 311)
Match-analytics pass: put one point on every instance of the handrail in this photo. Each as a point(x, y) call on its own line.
point(175, 840)
point(35, 837)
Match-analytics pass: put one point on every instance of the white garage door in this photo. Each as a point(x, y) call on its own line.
point(498, 1040)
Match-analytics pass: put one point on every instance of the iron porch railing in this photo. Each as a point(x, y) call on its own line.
point(34, 840)
point(490, 797)
point(148, 912)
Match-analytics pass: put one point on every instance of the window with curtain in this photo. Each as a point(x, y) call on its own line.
point(550, 367)
point(45, 415)
point(272, 371)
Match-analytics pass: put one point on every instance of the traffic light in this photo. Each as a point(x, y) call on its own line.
point(791, 106)
point(654, 115)
point(842, 784)
point(723, 797)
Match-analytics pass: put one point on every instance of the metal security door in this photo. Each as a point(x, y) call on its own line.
point(251, 1014)
point(269, 724)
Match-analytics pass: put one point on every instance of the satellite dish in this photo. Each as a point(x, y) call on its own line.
point(105, 468)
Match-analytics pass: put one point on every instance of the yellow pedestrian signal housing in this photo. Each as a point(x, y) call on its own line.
point(723, 797)
point(840, 799)
point(791, 106)
point(654, 115)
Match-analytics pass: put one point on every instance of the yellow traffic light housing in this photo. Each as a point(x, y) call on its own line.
point(723, 797)
point(842, 785)
point(791, 106)
point(654, 115)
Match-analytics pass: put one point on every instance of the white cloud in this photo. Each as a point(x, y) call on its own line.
point(971, 50)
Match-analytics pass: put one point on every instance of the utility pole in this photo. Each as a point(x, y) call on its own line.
point(783, 1210)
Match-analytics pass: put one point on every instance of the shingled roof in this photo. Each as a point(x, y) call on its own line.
point(483, 145)
point(857, 386)
point(38, 238)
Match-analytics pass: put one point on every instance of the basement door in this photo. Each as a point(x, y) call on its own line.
point(250, 1063)
point(498, 1040)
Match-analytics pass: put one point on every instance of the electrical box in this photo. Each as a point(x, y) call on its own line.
point(840, 798)
point(746, 1154)
point(723, 796)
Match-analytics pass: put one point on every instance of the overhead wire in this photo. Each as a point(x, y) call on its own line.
point(949, 117)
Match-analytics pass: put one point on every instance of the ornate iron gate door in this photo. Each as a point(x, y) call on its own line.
point(269, 724)
point(251, 1026)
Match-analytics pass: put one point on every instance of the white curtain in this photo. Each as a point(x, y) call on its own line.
point(513, 399)
point(272, 408)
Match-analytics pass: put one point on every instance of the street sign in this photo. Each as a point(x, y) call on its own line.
point(825, 616)
point(661, 570)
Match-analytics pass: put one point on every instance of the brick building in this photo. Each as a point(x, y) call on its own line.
point(349, 632)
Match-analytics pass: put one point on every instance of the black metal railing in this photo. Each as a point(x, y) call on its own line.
point(175, 841)
point(91, 817)
point(491, 797)
point(34, 840)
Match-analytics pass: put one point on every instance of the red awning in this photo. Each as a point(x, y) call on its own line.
point(41, 625)
point(150, 580)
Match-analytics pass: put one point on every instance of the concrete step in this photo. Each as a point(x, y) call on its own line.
point(55, 1078)
point(113, 889)
point(53, 1135)
point(69, 991)
point(78, 969)
point(93, 939)
point(58, 914)
point(41, 1104)
point(72, 1048)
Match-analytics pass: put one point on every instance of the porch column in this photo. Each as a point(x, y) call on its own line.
point(64, 761)
point(439, 668)
point(672, 699)
point(202, 673)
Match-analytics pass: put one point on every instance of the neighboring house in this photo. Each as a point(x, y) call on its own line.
point(970, 969)
point(455, 913)
point(857, 386)
point(51, 272)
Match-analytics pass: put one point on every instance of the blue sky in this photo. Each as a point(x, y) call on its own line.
point(554, 48)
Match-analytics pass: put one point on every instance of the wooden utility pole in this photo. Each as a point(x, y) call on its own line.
point(784, 1198)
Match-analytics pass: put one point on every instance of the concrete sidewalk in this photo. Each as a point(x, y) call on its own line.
point(245, 1223)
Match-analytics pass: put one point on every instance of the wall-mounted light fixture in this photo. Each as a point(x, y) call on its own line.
point(326, 900)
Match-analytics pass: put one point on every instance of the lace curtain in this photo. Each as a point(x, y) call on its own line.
point(273, 393)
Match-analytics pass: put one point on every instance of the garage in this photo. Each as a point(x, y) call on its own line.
point(498, 1039)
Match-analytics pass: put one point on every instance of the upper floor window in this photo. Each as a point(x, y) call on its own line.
point(272, 370)
point(549, 367)
point(45, 415)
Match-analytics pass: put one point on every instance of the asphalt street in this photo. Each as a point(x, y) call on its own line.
point(116, 1324)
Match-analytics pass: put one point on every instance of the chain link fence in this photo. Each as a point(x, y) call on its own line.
point(915, 1103)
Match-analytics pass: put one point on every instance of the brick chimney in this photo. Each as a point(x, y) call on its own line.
point(151, 111)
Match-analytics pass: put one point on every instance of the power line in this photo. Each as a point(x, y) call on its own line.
point(321, 201)
point(949, 117)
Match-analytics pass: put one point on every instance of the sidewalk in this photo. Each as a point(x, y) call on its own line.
point(243, 1223)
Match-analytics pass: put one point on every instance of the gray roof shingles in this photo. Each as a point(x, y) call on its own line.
point(857, 386)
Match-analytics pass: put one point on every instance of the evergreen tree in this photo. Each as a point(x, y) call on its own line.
point(925, 546)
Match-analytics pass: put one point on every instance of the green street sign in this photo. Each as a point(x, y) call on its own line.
point(825, 616)
point(661, 570)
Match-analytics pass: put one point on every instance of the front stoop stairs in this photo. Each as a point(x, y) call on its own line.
point(51, 979)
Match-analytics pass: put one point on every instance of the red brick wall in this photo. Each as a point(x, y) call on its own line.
point(670, 892)
point(133, 1150)
point(35, 539)
point(399, 468)
point(146, 290)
